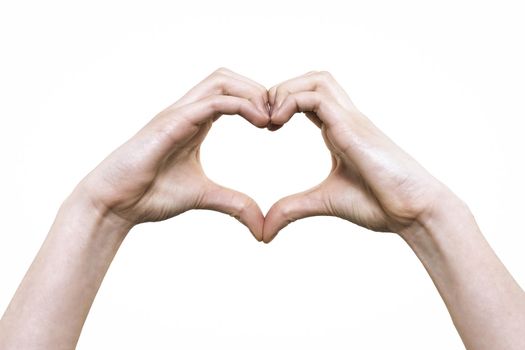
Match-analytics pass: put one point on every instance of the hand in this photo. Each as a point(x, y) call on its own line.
point(157, 173)
point(373, 183)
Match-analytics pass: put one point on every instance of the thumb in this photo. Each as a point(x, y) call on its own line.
point(291, 208)
point(236, 204)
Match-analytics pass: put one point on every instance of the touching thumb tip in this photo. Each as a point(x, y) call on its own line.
point(267, 240)
point(236, 204)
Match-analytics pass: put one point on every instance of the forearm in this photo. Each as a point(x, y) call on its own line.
point(484, 301)
point(54, 298)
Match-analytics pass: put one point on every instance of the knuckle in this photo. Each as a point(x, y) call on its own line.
point(214, 102)
point(293, 101)
point(324, 76)
point(219, 83)
point(222, 70)
point(219, 77)
point(171, 129)
point(319, 98)
point(282, 91)
point(242, 206)
point(286, 211)
point(272, 91)
point(218, 74)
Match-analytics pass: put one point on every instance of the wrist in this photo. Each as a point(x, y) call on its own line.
point(80, 210)
point(447, 220)
point(56, 294)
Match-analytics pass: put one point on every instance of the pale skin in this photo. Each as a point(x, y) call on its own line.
point(157, 175)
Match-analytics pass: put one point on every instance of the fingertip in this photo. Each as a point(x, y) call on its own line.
point(265, 118)
point(260, 118)
point(236, 204)
point(257, 232)
point(270, 232)
point(282, 113)
point(273, 223)
point(267, 240)
point(263, 123)
point(258, 237)
point(253, 219)
point(289, 209)
point(273, 127)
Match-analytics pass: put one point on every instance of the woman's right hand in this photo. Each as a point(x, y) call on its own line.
point(157, 173)
point(373, 182)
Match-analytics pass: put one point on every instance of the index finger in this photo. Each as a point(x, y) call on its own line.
point(214, 106)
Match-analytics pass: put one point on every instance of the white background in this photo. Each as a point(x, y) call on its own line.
point(444, 79)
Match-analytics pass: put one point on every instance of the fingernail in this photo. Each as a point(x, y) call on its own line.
point(274, 127)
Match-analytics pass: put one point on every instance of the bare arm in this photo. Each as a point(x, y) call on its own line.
point(375, 184)
point(52, 302)
point(484, 301)
point(153, 176)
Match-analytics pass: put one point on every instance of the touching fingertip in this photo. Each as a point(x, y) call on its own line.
point(268, 240)
point(258, 239)
point(264, 124)
point(273, 127)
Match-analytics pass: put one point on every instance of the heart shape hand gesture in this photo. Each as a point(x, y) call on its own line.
point(157, 173)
